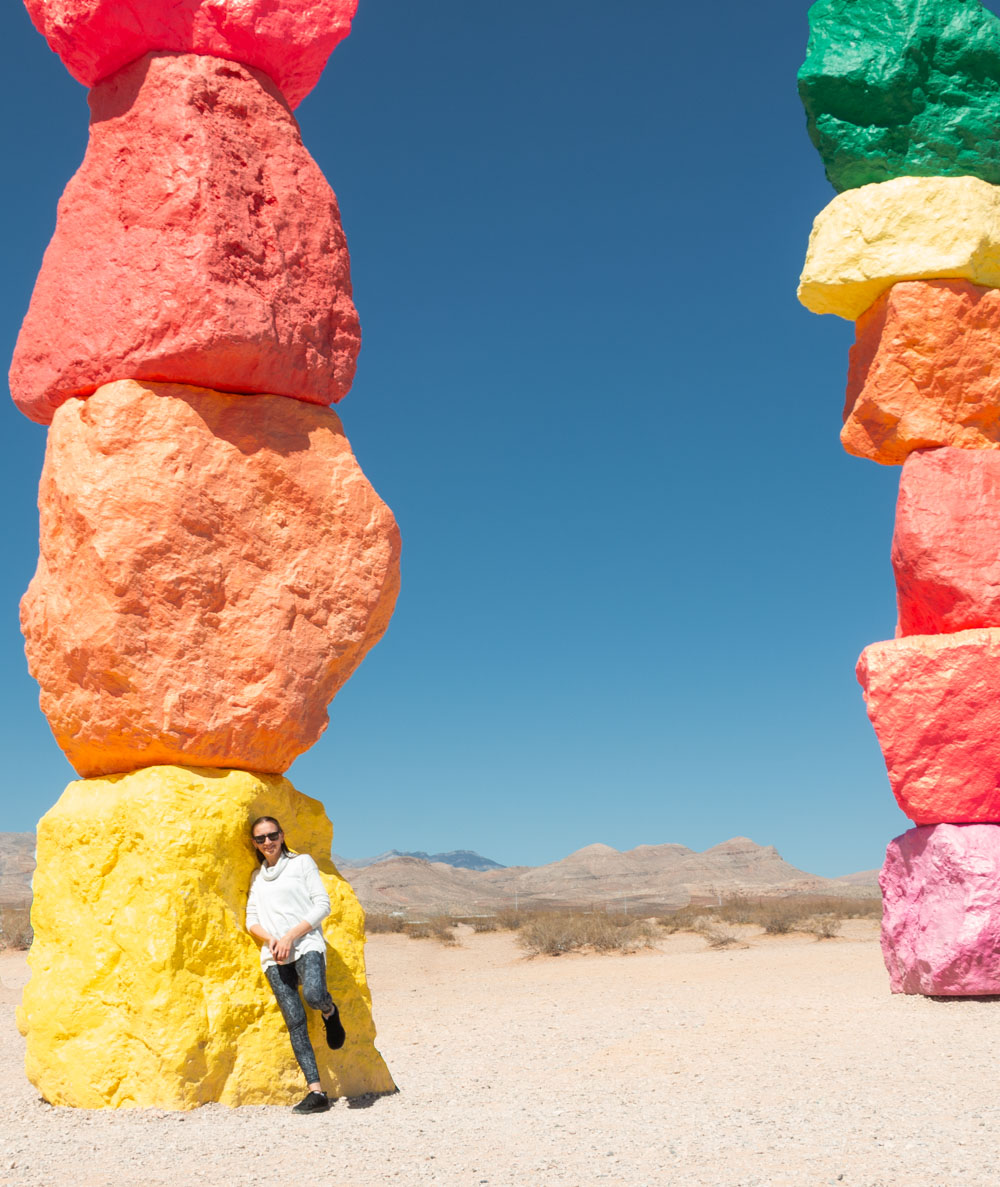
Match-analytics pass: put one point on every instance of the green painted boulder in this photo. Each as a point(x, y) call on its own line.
point(896, 87)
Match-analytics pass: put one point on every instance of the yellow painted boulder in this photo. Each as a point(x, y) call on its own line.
point(146, 989)
point(910, 228)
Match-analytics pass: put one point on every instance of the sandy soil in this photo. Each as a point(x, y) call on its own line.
point(786, 1062)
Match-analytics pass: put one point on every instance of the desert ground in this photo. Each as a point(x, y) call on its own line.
point(783, 1062)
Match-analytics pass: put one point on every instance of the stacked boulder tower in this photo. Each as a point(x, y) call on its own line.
point(903, 103)
point(213, 562)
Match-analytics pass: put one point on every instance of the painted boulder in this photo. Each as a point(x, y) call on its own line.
point(198, 243)
point(289, 40)
point(934, 701)
point(941, 910)
point(213, 568)
point(924, 371)
point(946, 547)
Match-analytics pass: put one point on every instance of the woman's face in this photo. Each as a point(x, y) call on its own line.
point(268, 837)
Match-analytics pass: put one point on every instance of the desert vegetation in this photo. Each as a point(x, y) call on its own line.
point(554, 931)
point(15, 927)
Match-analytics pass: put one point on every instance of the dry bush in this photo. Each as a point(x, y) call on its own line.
point(484, 923)
point(689, 918)
point(551, 933)
point(434, 927)
point(780, 916)
point(718, 937)
point(823, 927)
point(510, 919)
point(381, 922)
point(15, 927)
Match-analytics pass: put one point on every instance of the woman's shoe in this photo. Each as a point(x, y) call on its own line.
point(314, 1102)
point(335, 1035)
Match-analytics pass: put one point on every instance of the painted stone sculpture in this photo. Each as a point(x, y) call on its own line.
point(214, 564)
point(198, 243)
point(903, 100)
point(907, 87)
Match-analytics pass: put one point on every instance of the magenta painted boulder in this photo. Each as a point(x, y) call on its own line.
point(946, 547)
point(934, 701)
point(290, 40)
point(941, 919)
point(198, 243)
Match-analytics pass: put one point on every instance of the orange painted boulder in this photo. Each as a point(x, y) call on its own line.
point(946, 547)
point(924, 371)
point(289, 40)
point(213, 568)
point(198, 243)
point(934, 701)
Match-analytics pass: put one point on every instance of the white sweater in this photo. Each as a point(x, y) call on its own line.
point(283, 895)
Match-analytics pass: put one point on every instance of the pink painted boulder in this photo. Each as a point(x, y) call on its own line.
point(941, 920)
point(289, 40)
point(198, 243)
point(213, 568)
point(934, 701)
point(946, 546)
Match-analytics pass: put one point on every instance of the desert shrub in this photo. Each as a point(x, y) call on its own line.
point(780, 916)
point(823, 927)
point(434, 927)
point(718, 936)
point(380, 922)
point(551, 933)
point(689, 918)
point(15, 927)
point(484, 923)
point(510, 919)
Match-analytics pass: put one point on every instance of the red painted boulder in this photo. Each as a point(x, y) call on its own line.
point(934, 701)
point(941, 917)
point(213, 568)
point(289, 40)
point(946, 547)
point(924, 371)
point(198, 243)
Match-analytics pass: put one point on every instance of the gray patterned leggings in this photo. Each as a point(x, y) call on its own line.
point(309, 971)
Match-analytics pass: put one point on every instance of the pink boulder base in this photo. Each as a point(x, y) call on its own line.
point(290, 40)
point(213, 568)
point(946, 547)
point(934, 701)
point(198, 243)
point(941, 919)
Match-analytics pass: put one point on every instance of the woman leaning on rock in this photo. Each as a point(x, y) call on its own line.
point(286, 907)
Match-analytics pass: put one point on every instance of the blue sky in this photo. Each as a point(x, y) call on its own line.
point(638, 568)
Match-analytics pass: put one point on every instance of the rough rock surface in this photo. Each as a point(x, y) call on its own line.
point(212, 569)
point(934, 701)
point(198, 243)
point(911, 228)
point(146, 989)
point(289, 41)
point(896, 87)
point(941, 920)
point(946, 547)
point(924, 371)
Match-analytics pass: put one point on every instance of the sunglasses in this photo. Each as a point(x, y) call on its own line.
point(262, 837)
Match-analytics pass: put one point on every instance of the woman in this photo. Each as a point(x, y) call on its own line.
point(287, 904)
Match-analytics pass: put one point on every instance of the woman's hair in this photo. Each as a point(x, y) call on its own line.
point(277, 825)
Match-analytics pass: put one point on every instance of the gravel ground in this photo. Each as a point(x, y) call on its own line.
point(785, 1062)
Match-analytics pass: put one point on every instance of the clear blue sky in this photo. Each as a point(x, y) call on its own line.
point(638, 568)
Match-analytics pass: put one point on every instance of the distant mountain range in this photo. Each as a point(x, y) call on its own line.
point(461, 859)
point(647, 878)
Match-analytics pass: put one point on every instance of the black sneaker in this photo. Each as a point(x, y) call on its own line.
point(335, 1035)
point(315, 1102)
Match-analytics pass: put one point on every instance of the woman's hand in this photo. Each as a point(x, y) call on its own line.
point(281, 948)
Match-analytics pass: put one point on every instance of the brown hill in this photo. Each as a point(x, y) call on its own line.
point(17, 863)
point(649, 876)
